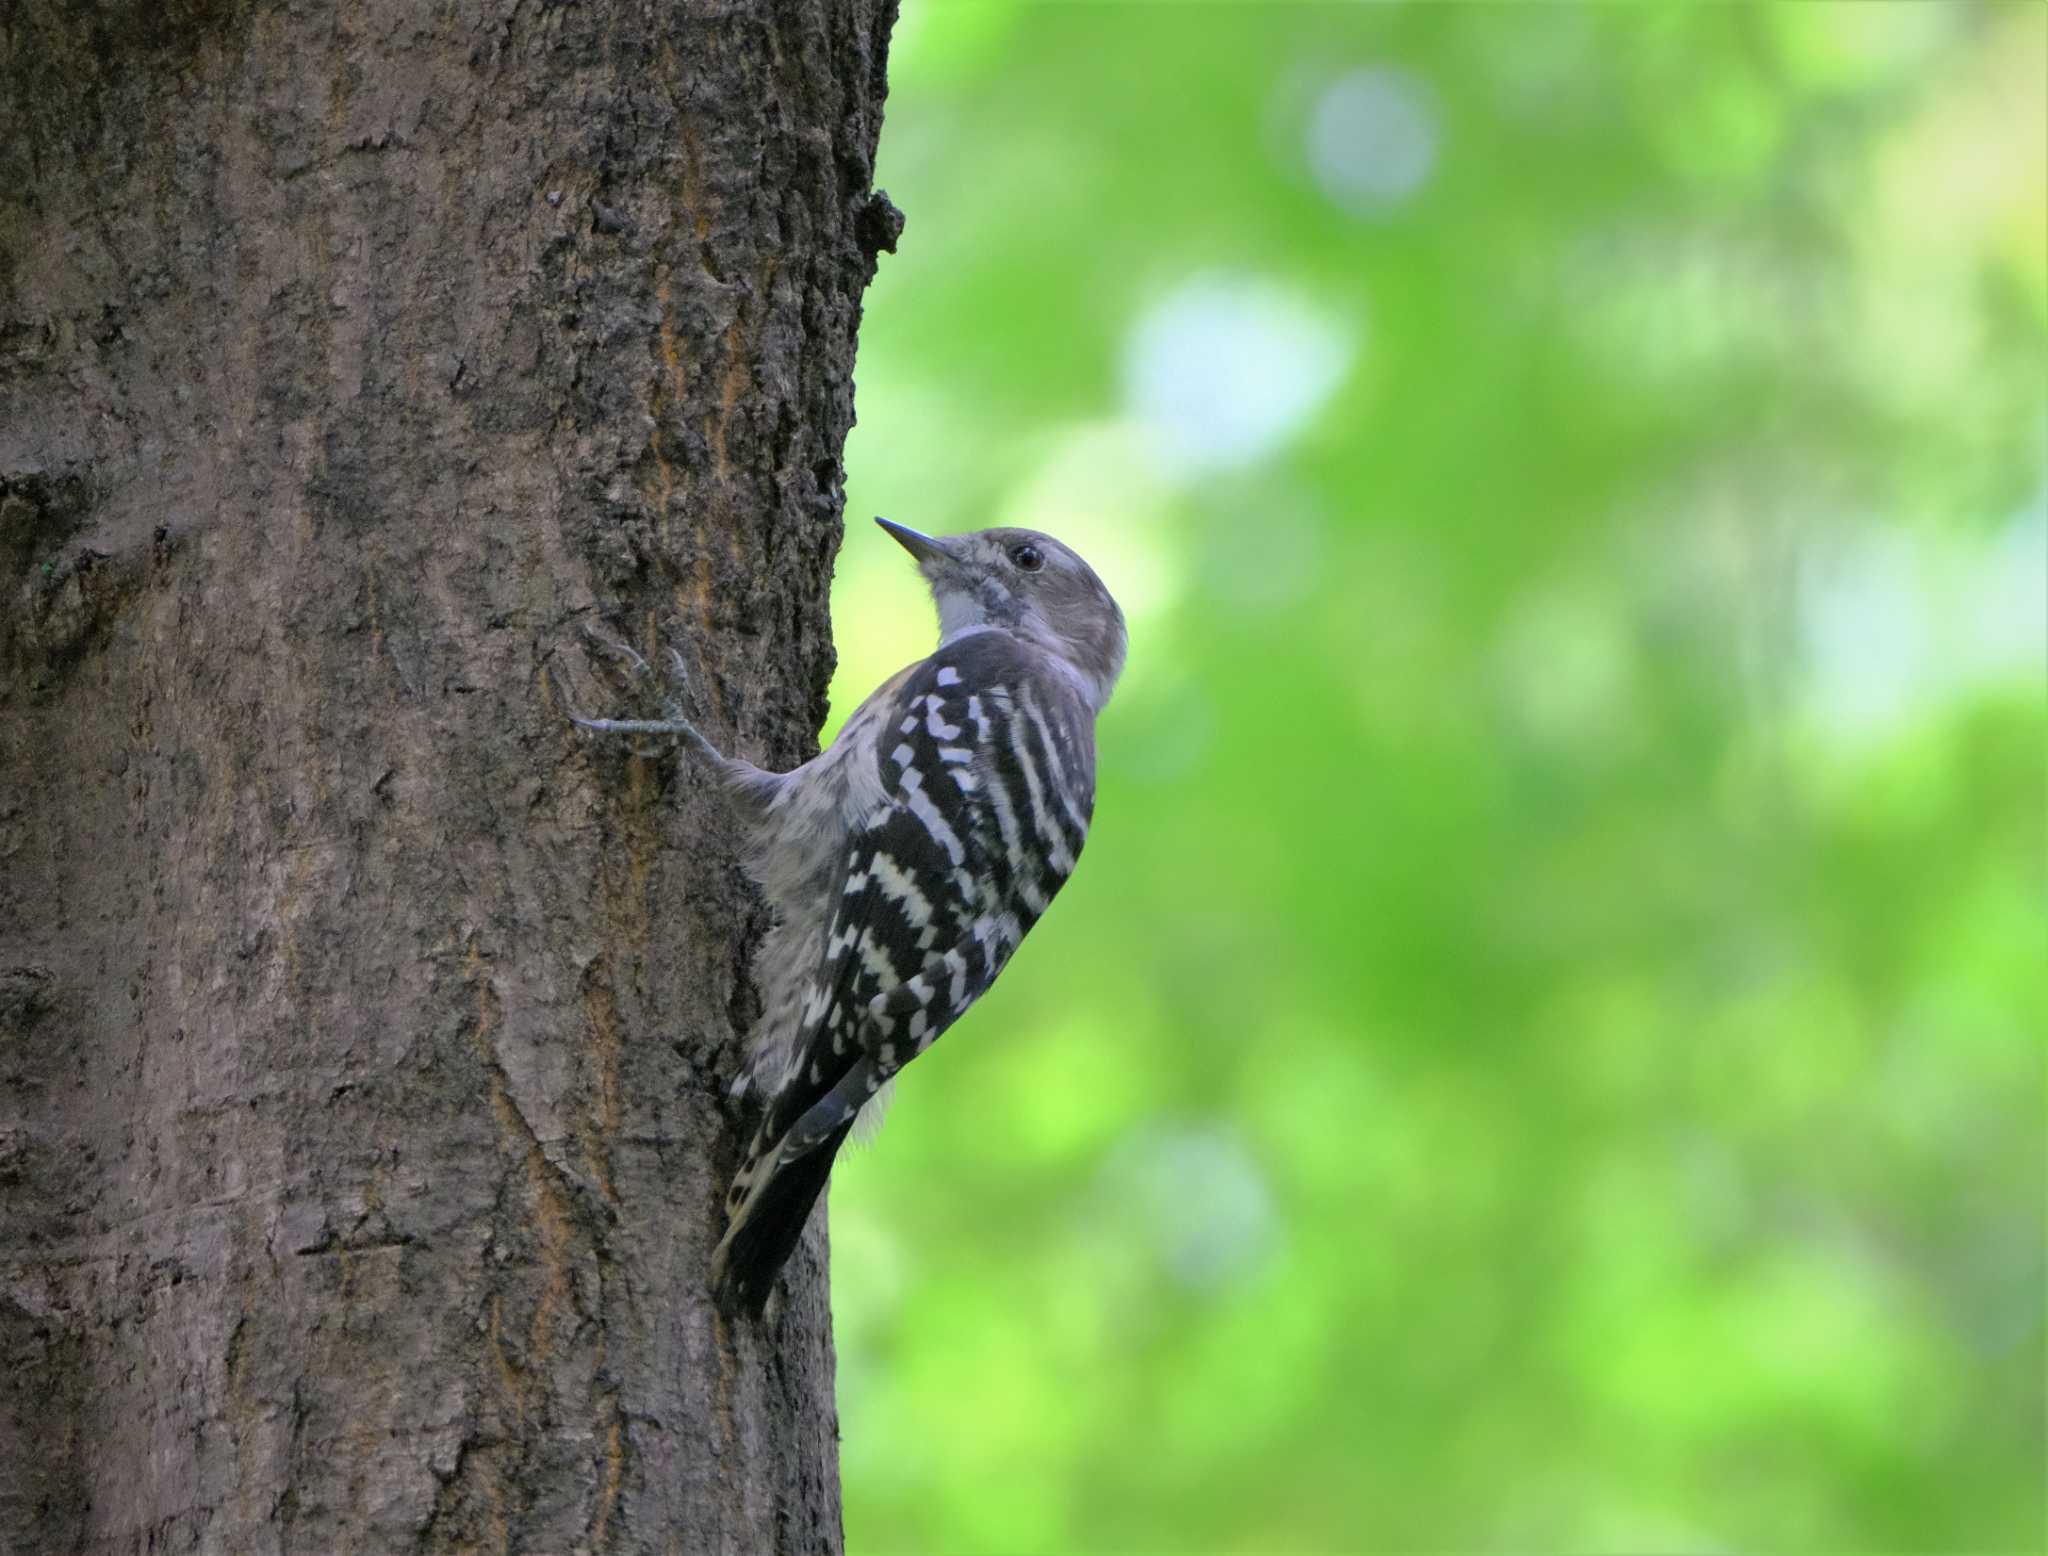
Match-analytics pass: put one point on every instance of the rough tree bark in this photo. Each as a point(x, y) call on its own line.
point(363, 1026)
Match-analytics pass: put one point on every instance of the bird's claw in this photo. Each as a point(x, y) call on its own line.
point(673, 720)
point(618, 649)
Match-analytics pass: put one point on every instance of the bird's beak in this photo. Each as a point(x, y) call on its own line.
point(924, 547)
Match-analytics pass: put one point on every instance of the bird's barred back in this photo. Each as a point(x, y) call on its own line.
point(987, 768)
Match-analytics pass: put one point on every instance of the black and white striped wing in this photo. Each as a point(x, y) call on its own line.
point(988, 781)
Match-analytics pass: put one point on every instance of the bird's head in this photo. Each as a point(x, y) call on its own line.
point(1028, 584)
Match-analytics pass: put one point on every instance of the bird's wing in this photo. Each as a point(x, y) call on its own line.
point(987, 788)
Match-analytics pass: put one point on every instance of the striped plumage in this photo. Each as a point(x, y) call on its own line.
point(908, 861)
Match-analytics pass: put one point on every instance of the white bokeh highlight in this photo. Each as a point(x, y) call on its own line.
point(1373, 139)
point(1227, 369)
point(1891, 625)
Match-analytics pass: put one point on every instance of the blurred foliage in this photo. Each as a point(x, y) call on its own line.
point(1545, 1049)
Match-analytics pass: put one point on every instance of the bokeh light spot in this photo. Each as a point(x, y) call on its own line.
point(1197, 1195)
point(1228, 368)
point(1889, 626)
point(1373, 139)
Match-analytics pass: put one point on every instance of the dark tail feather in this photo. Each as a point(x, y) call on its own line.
point(759, 1243)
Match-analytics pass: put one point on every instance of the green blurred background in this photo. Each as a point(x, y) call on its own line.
point(1545, 1051)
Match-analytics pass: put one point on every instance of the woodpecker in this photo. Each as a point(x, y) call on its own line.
point(907, 861)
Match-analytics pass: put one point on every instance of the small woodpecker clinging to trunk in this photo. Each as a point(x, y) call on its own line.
point(906, 862)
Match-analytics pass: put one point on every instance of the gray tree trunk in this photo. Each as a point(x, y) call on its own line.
point(363, 1026)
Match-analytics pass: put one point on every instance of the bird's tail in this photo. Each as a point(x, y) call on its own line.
point(767, 1221)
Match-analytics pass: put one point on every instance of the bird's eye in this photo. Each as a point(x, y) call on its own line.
point(1028, 557)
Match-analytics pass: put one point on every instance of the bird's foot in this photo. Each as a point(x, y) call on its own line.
point(673, 720)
